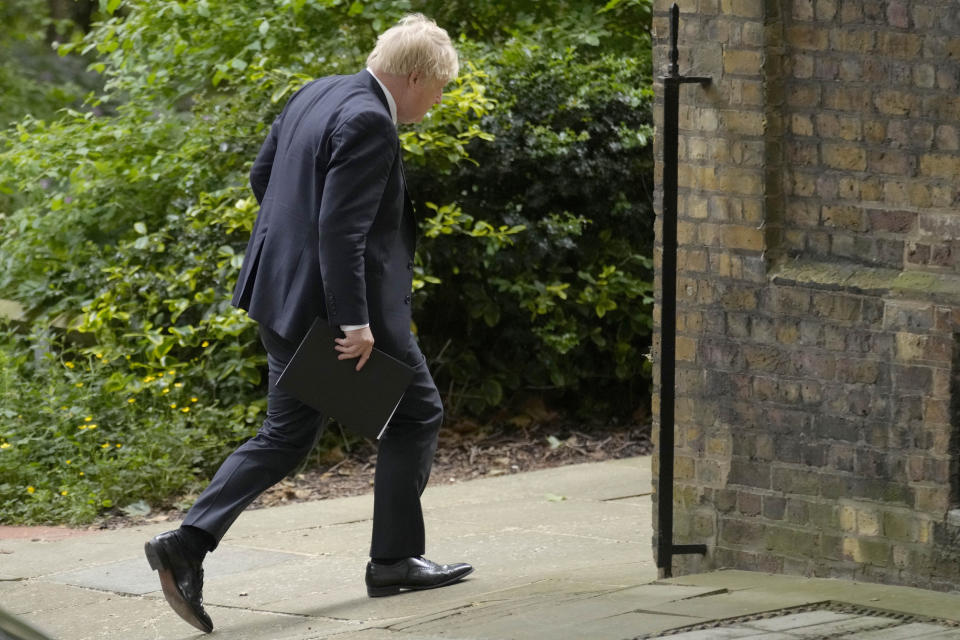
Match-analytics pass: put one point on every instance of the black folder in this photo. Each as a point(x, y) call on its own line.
point(362, 401)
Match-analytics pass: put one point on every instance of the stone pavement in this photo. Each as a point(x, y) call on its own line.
point(560, 554)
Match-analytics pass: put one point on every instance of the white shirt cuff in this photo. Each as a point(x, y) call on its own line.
point(353, 327)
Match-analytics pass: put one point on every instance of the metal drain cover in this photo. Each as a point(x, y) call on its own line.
point(821, 621)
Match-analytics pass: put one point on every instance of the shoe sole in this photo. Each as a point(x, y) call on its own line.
point(394, 589)
point(159, 563)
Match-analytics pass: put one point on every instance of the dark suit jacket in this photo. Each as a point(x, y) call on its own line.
point(336, 234)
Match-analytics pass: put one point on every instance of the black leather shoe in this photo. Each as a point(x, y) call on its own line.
point(412, 573)
point(181, 577)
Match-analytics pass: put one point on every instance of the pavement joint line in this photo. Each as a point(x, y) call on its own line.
point(308, 528)
point(716, 592)
point(250, 547)
point(636, 495)
point(540, 532)
point(671, 614)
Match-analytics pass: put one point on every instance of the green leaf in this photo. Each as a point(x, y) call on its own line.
point(138, 508)
point(492, 392)
point(140, 228)
point(355, 9)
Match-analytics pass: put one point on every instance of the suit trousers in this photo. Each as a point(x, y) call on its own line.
point(291, 429)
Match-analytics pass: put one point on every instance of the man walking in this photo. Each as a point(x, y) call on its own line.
point(334, 238)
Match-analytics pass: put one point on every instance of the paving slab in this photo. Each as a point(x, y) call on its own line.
point(560, 554)
point(135, 577)
point(911, 631)
point(799, 590)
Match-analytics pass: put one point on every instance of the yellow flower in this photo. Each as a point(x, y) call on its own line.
point(166, 389)
point(149, 379)
point(131, 400)
point(89, 418)
point(105, 445)
point(194, 399)
point(172, 372)
point(178, 385)
point(204, 344)
point(81, 473)
point(69, 461)
point(160, 375)
point(99, 355)
point(173, 405)
point(68, 365)
point(30, 490)
point(78, 385)
point(119, 446)
point(63, 408)
point(91, 426)
point(185, 409)
point(63, 493)
point(5, 445)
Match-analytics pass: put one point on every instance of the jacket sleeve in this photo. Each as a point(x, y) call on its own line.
point(363, 152)
point(262, 165)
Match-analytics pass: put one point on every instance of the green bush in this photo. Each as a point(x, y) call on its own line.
point(83, 435)
point(124, 222)
point(569, 164)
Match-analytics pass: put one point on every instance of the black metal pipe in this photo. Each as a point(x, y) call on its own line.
point(668, 305)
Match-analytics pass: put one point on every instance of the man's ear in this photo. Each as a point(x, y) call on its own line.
point(414, 78)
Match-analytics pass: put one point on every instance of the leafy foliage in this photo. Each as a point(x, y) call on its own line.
point(124, 220)
point(570, 165)
point(34, 79)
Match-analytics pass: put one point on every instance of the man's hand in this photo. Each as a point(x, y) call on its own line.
point(356, 344)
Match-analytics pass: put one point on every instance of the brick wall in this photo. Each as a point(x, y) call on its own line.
point(818, 400)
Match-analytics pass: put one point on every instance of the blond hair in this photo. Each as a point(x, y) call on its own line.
point(415, 43)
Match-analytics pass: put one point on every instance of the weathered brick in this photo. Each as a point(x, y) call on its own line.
point(899, 45)
point(910, 346)
point(890, 161)
point(947, 137)
point(686, 349)
point(875, 552)
point(740, 532)
point(808, 37)
point(844, 156)
point(803, 96)
point(849, 40)
point(795, 481)
point(851, 11)
point(750, 474)
point(844, 218)
point(742, 61)
point(940, 165)
point(742, 8)
point(925, 76)
point(847, 98)
point(846, 127)
point(792, 542)
point(803, 10)
point(932, 499)
point(826, 10)
point(888, 221)
point(837, 307)
point(897, 14)
point(749, 123)
point(908, 316)
point(897, 103)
